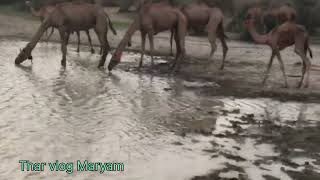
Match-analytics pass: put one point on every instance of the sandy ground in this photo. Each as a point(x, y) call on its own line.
point(242, 75)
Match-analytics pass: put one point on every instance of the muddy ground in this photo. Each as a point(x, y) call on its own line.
point(281, 136)
point(242, 75)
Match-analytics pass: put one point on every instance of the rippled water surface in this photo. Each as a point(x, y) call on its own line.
point(155, 125)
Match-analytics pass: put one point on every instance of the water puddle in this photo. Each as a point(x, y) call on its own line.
point(157, 126)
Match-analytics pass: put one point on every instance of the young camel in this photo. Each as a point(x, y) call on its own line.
point(273, 16)
point(279, 38)
point(153, 19)
point(202, 17)
point(44, 12)
point(68, 18)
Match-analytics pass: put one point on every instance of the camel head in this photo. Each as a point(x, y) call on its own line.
point(255, 14)
point(252, 16)
point(23, 55)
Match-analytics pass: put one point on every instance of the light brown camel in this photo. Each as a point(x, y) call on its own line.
point(200, 18)
point(68, 18)
point(285, 35)
point(153, 19)
point(273, 16)
point(45, 11)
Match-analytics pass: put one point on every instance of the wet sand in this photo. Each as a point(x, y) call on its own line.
point(203, 122)
point(242, 76)
point(161, 127)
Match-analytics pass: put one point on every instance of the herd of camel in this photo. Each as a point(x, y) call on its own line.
point(281, 30)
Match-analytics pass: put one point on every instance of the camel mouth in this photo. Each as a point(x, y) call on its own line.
point(18, 61)
point(112, 64)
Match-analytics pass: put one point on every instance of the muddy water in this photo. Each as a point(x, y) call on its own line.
point(157, 126)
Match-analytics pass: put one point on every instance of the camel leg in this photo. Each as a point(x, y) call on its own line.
point(305, 68)
point(78, 35)
point(64, 38)
point(171, 41)
point(178, 49)
point(224, 49)
point(308, 67)
point(101, 33)
point(90, 42)
point(282, 68)
point(181, 51)
point(68, 37)
point(268, 68)
point(143, 47)
point(212, 40)
point(48, 38)
point(150, 35)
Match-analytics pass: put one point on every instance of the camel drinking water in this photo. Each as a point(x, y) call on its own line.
point(153, 19)
point(68, 18)
point(44, 12)
point(281, 37)
point(200, 18)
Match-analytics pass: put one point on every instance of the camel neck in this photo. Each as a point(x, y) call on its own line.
point(35, 39)
point(35, 12)
point(127, 37)
point(258, 38)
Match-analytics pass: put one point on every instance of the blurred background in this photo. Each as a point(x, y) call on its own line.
point(234, 10)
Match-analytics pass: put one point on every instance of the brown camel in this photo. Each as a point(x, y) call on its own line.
point(68, 18)
point(153, 19)
point(45, 11)
point(281, 37)
point(201, 17)
point(273, 16)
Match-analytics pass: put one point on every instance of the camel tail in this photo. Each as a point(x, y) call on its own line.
point(111, 25)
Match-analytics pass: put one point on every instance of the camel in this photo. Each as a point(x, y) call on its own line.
point(202, 17)
point(273, 16)
point(44, 12)
point(68, 18)
point(281, 37)
point(152, 19)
